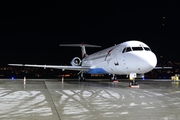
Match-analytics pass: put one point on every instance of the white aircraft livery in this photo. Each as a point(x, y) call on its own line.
point(132, 58)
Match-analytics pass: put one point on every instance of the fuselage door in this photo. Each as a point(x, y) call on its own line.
point(114, 64)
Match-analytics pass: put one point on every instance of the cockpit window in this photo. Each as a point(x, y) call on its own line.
point(147, 49)
point(124, 50)
point(137, 48)
point(128, 49)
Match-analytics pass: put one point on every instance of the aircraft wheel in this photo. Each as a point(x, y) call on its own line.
point(133, 83)
point(136, 83)
point(111, 79)
point(130, 83)
point(81, 79)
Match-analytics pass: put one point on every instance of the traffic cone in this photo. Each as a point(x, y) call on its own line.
point(24, 80)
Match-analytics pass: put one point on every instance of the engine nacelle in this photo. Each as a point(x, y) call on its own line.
point(76, 61)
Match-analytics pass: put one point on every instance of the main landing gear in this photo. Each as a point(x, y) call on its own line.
point(113, 78)
point(81, 78)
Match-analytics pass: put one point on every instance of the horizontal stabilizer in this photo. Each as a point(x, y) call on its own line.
point(79, 45)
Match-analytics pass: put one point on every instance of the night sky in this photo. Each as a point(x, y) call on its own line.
point(32, 32)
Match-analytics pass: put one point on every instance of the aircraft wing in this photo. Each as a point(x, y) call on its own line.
point(163, 68)
point(78, 68)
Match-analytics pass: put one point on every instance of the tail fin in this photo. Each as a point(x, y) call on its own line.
point(83, 49)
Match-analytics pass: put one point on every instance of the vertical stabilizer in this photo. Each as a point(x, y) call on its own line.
point(83, 49)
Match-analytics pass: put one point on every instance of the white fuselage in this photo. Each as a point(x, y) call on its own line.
point(125, 58)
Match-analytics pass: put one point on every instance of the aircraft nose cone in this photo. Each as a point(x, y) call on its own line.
point(147, 61)
point(153, 60)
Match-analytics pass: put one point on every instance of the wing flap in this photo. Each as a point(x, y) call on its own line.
point(79, 68)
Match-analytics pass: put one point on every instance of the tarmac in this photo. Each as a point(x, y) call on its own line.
point(95, 99)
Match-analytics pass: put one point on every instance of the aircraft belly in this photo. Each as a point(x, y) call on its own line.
point(97, 67)
point(97, 71)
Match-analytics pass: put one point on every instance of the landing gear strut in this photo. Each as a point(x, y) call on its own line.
point(81, 77)
point(132, 82)
point(113, 78)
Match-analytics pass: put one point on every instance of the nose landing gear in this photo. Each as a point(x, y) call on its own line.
point(133, 83)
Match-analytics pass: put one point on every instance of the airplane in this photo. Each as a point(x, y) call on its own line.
point(132, 58)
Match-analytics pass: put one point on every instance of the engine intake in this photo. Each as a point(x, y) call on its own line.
point(76, 61)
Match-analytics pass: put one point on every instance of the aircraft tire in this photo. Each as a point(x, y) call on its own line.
point(81, 79)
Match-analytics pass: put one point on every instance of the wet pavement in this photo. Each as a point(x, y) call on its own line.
point(51, 99)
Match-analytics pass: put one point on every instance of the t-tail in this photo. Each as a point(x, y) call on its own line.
point(83, 47)
point(83, 50)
